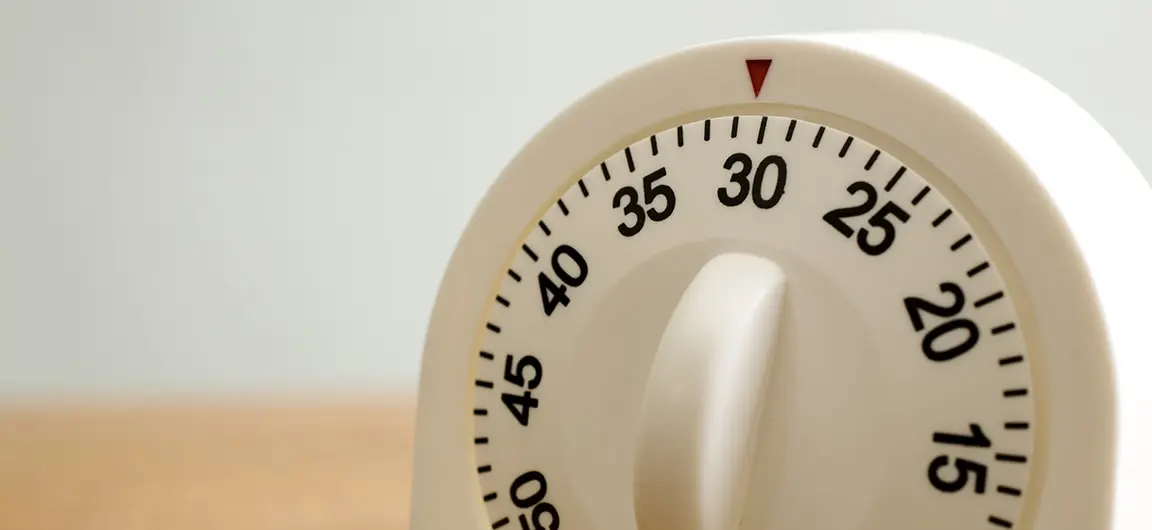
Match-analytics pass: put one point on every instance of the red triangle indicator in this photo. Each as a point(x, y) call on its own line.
point(757, 71)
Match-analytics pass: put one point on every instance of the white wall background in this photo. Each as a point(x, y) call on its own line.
point(244, 196)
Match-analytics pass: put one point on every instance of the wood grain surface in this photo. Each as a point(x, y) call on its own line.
point(224, 466)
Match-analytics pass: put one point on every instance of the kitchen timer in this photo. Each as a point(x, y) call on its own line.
point(836, 281)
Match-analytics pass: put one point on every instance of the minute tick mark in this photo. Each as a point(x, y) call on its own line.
point(528, 250)
point(1015, 392)
point(512, 274)
point(563, 207)
point(492, 327)
point(1015, 459)
point(707, 130)
point(604, 171)
point(920, 196)
point(895, 178)
point(844, 148)
point(1012, 359)
point(655, 148)
point(942, 217)
point(989, 299)
point(978, 269)
point(763, 127)
point(1003, 328)
point(872, 160)
point(1003, 523)
point(680, 136)
point(961, 242)
point(1007, 490)
point(791, 129)
point(583, 188)
point(735, 126)
point(818, 137)
point(628, 158)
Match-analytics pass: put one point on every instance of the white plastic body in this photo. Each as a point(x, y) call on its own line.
point(1069, 209)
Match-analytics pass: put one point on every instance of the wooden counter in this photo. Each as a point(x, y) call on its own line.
point(341, 466)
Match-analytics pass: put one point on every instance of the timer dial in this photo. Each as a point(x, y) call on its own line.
point(900, 382)
point(866, 280)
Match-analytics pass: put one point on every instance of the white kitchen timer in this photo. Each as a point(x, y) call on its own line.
point(873, 281)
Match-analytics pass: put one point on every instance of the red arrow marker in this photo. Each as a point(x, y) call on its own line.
point(757, 71)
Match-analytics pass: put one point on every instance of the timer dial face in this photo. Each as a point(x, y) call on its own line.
point(900, 395)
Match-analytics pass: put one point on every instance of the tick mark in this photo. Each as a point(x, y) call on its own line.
point(486, 355)
point(1016, 425)
point(512, 274)
point(479, 412)
point(707, 130)
point(1012, 359)
point(818, 137)
point(544, 227)
point(942, 217)
point(791, 129)
point(844, 148)
point(563, 207)
point(500, 523)
point(920, 196)
point(1003, 327)
point(989, 299)
point(735, 126)
point(977, 269)
point(583, 188)
point(1016, 459)
point(999, 522)
point(628, 157)
point(1008, 490)
point(492, 327)
point(502, 301)
point(763, 127)
point(961, 242)
point(895, 178)
point(484, 469)
point(527, 250)
point(872, 160)
point(680, 136)
point(604, 171)
point(484, 384)
point(490, 497)
point(1015, 392)
point(655, 149)
point(483, 440)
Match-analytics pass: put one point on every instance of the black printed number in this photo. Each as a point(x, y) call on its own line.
point(528, 492)
point(570, 268)
point(525, 374)
point(951, 475)
point(950, 338)
point(628, 199)
point(962, 470)
point(883, 220)
point(755, 188)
